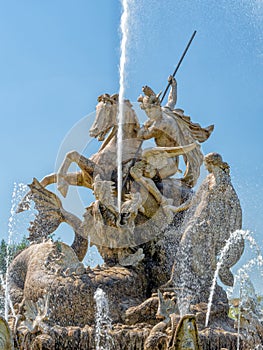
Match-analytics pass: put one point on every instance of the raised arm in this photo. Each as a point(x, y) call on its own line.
point(172, 98)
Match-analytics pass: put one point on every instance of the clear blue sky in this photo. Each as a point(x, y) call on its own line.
point(58, 56)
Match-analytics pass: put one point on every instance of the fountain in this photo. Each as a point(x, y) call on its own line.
point(234, 239)
point(155, 273)
point(18, 193)
point(103, 339)
point(164, 245)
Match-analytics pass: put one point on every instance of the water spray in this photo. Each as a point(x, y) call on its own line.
point(123, 57)
point(233, 239)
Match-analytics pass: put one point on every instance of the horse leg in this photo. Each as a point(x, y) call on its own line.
point(62, 182)
point(86, 165)
point(74, 179)
point(62, 171)
point(49, 180)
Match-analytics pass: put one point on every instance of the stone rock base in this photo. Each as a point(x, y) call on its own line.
point(123, 338)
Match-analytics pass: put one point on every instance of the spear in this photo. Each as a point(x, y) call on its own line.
point(179, 63)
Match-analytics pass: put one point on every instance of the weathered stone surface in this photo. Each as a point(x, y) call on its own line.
point(6, 341)
point(213, 338)
point(71, 297)
point(213, 215)
point(124, 338)
point(71, 288)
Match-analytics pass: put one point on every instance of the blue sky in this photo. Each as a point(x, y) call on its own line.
point(58, 56)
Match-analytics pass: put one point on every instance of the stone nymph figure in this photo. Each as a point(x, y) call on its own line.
point(213, 213)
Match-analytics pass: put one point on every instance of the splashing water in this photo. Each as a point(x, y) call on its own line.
point(2, 298)
point(250, 308)
point(243, 273)
point(18, 194)
point(123, 59)
point(233, 239)
point(103, 340)
point(93, 257)
point(246, 289)
point(239, 319)
point(184, 305)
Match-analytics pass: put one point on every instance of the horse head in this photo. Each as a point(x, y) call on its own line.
point(107, 117)
point(106, 111)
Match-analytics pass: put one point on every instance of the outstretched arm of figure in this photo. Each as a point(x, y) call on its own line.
point(172, 98)
point(146, 132)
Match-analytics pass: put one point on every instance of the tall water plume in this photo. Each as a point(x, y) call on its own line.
point(122, 73)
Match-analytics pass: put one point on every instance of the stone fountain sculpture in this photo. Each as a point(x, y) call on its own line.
point(160, 250)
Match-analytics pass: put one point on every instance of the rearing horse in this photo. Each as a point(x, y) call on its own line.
point(104, 162)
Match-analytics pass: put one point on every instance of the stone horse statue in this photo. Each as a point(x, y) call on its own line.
point(104, 161)
point(102, 165)
point(150, 185)
point(99, 174)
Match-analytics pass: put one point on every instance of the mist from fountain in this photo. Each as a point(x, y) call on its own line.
point(103, 340)
point(123, 59)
